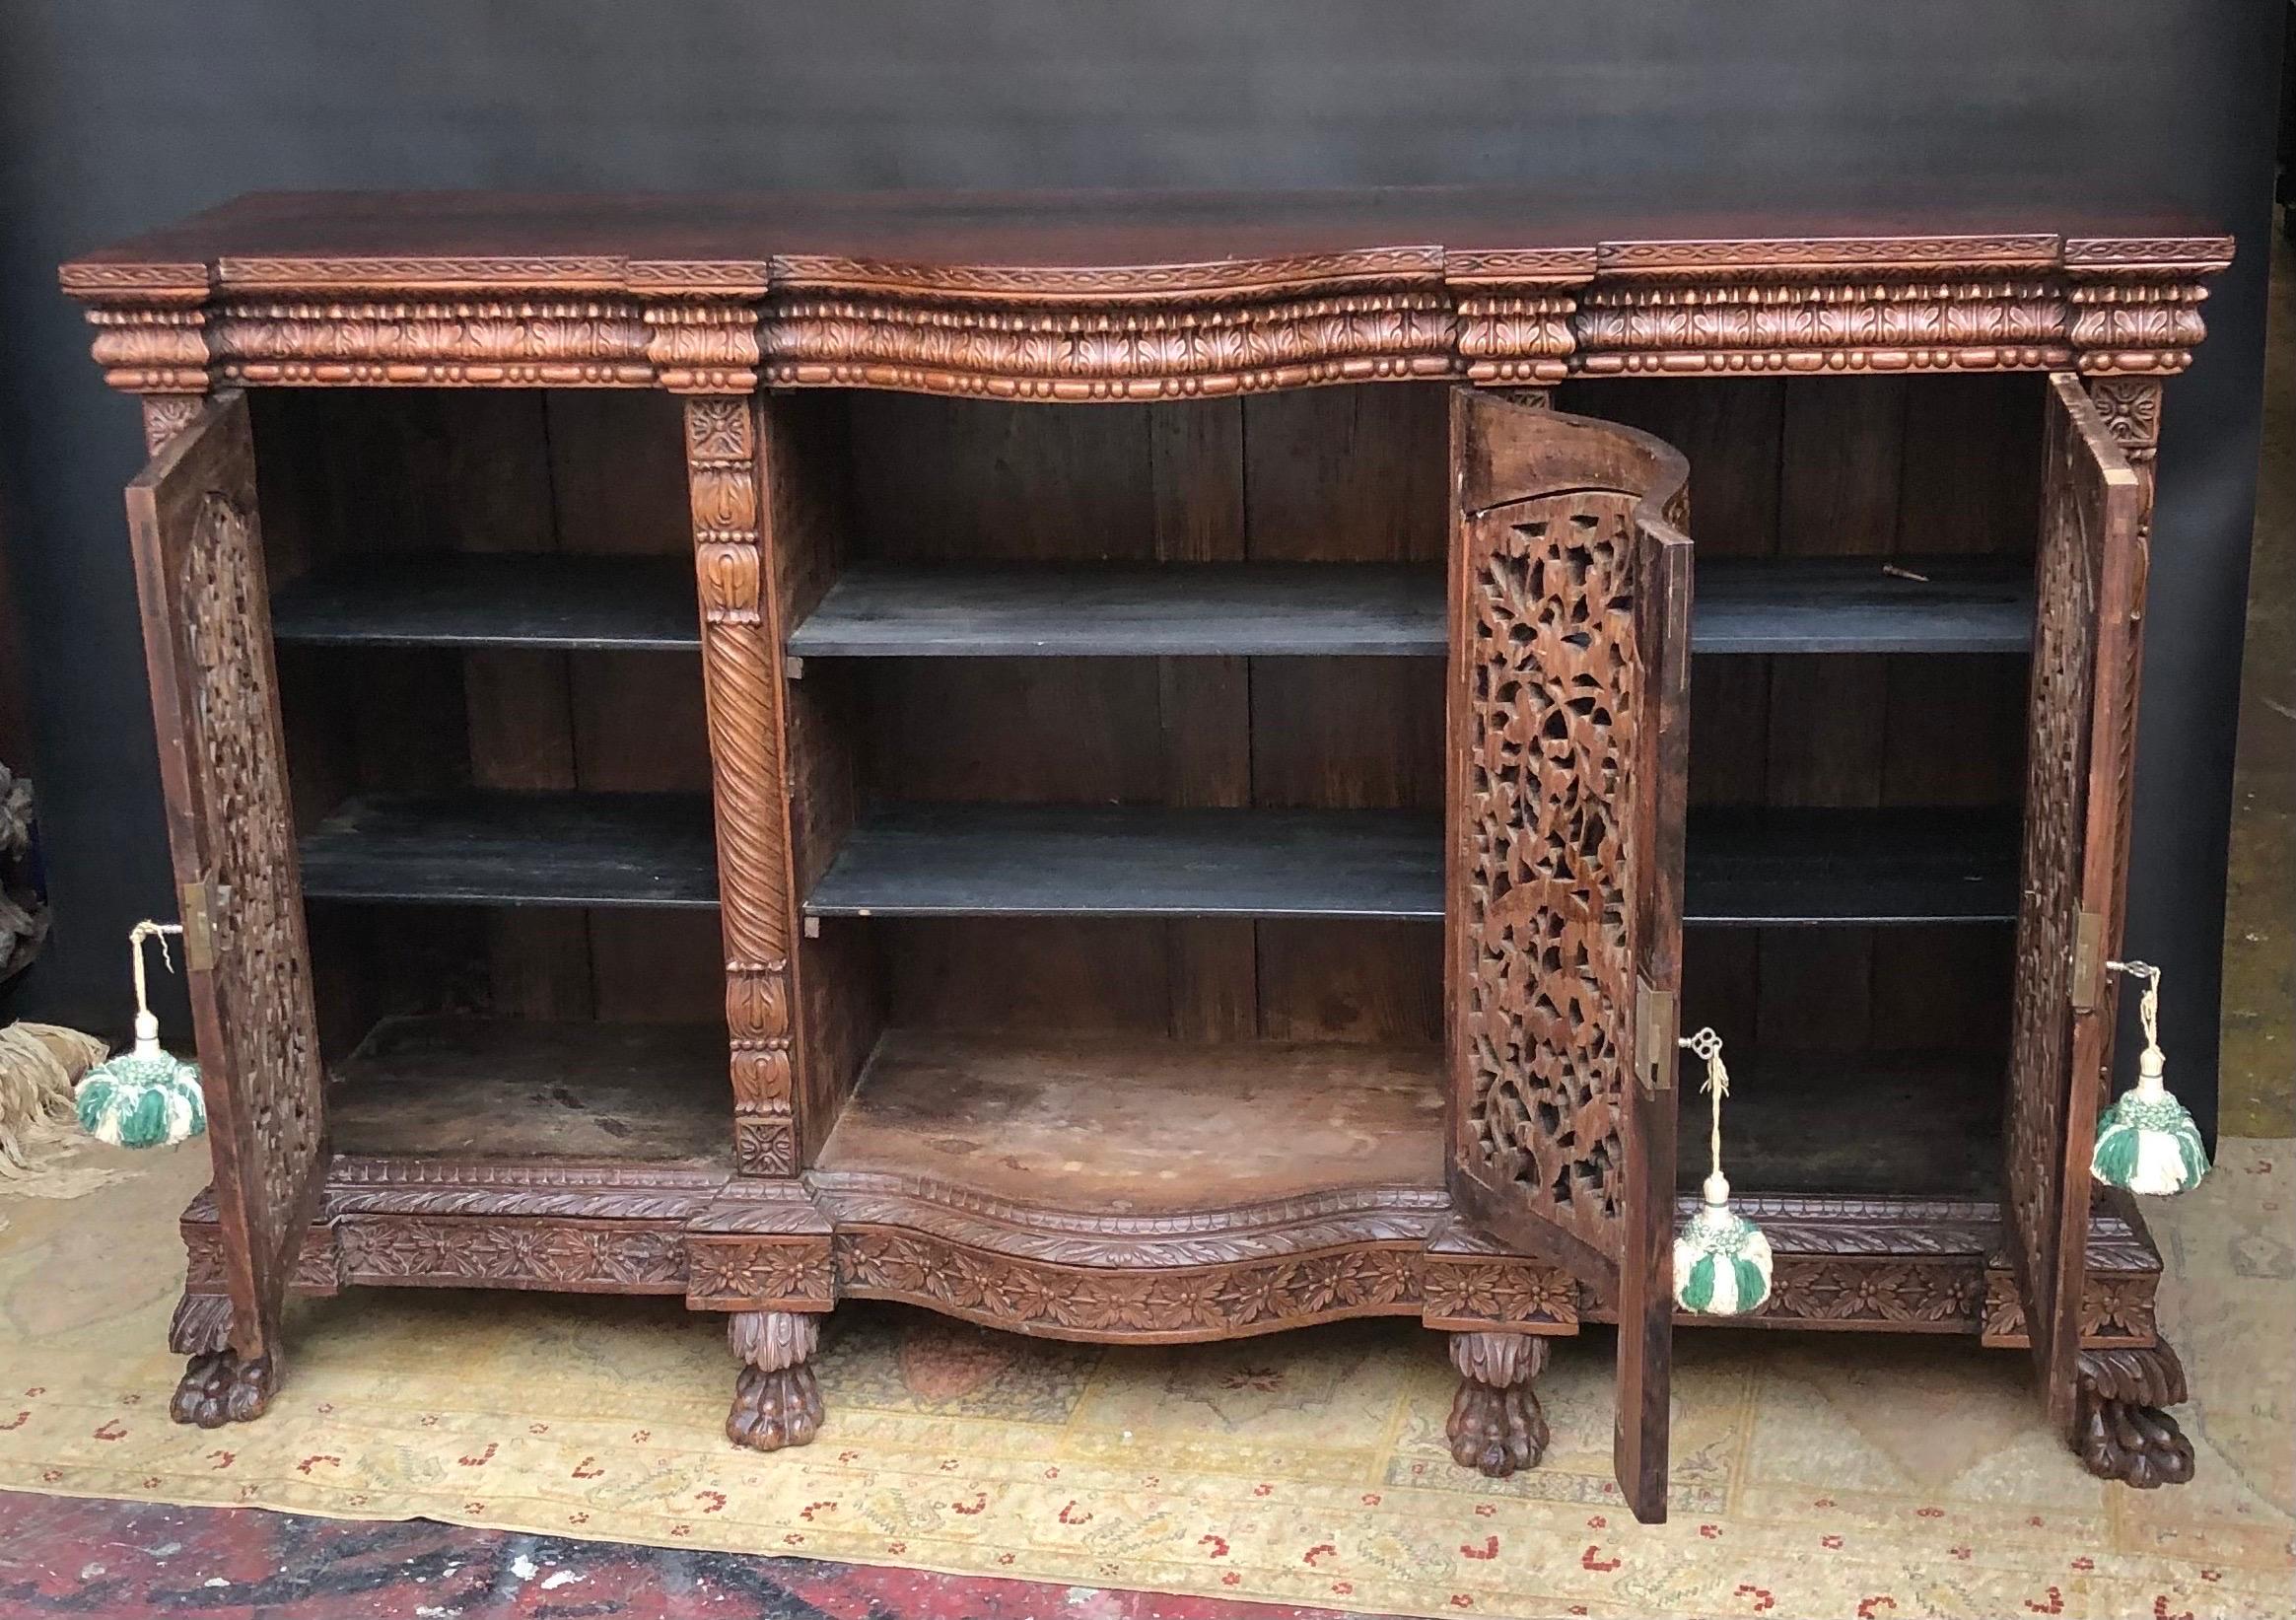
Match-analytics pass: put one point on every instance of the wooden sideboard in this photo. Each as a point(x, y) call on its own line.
point(1141, 767)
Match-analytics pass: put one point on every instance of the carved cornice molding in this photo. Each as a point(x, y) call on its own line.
point(1495, 315)
point(1973, 324)
point(1155, 348)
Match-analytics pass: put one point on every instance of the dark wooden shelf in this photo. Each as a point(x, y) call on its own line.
point(1802, 606)
point(504, 1089)
point(1746, 868)
point(464, 600)
point(1856, 1124)
point(1177, 610)
point(647, 604)
point(1007, 860)
point(1141, 1125)
point(1850, 606)
point(588, 849)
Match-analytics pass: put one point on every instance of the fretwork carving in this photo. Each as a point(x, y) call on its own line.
point(1552, 680)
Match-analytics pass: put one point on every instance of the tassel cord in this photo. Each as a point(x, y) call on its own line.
point(148, 930)
point(1707, 1046)
point(2148, 1004)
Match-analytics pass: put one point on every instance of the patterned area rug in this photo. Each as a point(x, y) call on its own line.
point(1814, 1475)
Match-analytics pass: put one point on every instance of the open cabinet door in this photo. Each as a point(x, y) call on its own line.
point(2089, 578)
point(1570, 664)
point(207, 639)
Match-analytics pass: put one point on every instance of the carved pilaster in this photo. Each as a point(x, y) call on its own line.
point(741, 675)
point(2131, 410)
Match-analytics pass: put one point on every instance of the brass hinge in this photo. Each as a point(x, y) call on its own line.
point(1655, 1018)
point(2088, 960)
point(195, 902)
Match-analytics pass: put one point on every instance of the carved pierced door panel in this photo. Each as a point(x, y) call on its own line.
point(1567, 697)
point(207, 638)
point(2089, 576)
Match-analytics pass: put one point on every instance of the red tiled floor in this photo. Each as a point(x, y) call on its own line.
point(62, 1555)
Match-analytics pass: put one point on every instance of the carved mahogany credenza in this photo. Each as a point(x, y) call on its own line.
point(690, 772)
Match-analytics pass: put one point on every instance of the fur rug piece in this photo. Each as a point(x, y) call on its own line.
point(39, 1064)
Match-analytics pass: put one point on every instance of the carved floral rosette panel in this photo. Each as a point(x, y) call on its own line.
point(1546, 984)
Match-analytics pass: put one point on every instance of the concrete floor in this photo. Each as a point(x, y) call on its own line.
point(2257, 1078)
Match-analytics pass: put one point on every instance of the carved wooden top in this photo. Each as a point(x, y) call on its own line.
point(1097, 295)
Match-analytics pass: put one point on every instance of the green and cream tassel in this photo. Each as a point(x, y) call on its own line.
point(1721, 1259)
point(2147, 1141)
point(146, 1097)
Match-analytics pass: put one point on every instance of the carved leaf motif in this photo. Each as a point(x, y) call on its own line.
point(2062, 695)
point(1553, 672)
point(260, 979)
point(1015, 1291)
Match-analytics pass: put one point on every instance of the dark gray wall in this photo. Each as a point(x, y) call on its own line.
point(116, 115)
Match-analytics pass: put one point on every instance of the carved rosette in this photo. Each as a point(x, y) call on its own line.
point(741, 675)
point(745, 1271)
point(573, 1256)
point(165, 415)
point(2116, 1308)
point(1459, 1291)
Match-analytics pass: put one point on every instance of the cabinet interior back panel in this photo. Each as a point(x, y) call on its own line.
point(357, 477)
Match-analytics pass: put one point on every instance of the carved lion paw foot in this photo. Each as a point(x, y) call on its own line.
point(2119, 1427)
point(2139, 1445)
point(218, 1387)
point(1495, 1432)
point(775, 1408)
